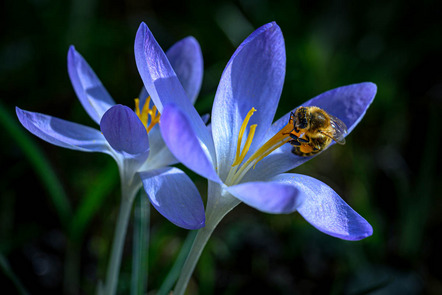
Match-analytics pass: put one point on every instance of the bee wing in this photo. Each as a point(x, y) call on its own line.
point(340, 130)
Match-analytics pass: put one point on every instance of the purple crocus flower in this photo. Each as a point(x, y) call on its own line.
point(133, 139)
point(248, 166)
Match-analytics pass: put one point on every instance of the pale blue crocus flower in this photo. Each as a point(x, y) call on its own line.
point(248, 165)
point(133, 139)
point(124, 134)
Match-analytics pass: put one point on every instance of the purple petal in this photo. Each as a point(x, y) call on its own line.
point(325, 210)
point(175, 196)
point(184, 144)
point(253, 77)
point(270, 197)
point(348, 103)
point(63, 133)
point(155, 70)
point(125, 132)
point(187, 61)
point(143, 96)
point(89, 89)
point(162, 83)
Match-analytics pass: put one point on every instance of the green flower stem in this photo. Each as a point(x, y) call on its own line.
point(218, 205)
point(140, 245)
point(197, 248)
point(128, 189)
point(173, 274)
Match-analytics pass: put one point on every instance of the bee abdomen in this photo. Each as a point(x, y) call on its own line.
point(297, 151)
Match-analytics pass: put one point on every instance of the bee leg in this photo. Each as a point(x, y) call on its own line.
point(306, 140)
point(295, 142)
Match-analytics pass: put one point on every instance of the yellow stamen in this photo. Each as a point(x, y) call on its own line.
point(154, 118)
point(241, 133)
point(280, 138)
point(137, 107)
point(246, 146)
point(146, 112)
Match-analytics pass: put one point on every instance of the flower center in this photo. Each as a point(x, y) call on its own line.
point(238, 170)
point(146, 113)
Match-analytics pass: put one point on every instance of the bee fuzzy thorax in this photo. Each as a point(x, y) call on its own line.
point(313, 130)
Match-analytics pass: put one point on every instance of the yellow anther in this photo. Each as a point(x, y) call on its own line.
point(280, 138)
point(236, 172)
point(146, 112)
point(137, 107)
point(154, 118)
point(246, 145)
point(241, 133)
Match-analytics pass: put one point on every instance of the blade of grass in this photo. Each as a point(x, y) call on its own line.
point(101, 187)
point(174, 272)
point(4, 265)
point(40, 165)
point(140, 245)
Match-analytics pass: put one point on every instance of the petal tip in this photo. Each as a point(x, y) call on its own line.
point(19, 112)
point(372, 87)
point(191, 40)
point(194, 226)
point(23, 116)
point(142, 29)
point(368, 232)
point(361, 230)
point(72, 54)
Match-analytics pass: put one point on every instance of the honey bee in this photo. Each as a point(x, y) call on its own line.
point(313, 131)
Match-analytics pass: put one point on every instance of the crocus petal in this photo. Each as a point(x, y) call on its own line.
point(184, 144)
point(175, 196)
point(348, 103)
point(325, 210)
point(63, 133)
point(270, 197)
point(143, 96)
point(89, 89)
point(187, 61)
point(253, 77)
point(162, 83)
point(125, 132)
point(155, 70)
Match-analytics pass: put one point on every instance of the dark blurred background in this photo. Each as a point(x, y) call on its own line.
point(58, 207)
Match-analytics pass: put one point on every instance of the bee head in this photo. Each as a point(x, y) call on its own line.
point(302, 118)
